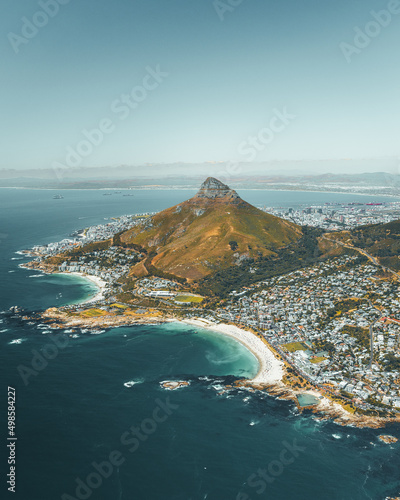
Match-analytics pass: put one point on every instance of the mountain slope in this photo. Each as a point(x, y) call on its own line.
point(215, 229)
point(381, 241)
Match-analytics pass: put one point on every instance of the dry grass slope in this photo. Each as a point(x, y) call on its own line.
point(195, 238)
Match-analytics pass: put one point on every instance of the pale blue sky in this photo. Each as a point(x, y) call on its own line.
point(226, 79)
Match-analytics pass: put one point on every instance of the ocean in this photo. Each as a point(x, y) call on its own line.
point(81, 433)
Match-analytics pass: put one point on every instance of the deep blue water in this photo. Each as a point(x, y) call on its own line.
point(75, 410)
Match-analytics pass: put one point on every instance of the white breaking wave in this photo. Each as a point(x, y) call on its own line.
point(17, 341)
point(131, 383)
point(218, 387)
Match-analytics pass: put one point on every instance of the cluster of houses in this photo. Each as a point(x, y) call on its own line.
point(340, 216)
point(107, 231)
point(90, 234)
point(154, 285)
point(298, 315)
point(109, 264)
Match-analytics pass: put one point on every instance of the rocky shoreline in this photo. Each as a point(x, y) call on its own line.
point(269, 378)
point(326, 408)
point(385, 438)
point(64, 320)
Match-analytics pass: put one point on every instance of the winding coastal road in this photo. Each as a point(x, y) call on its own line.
point(373, 259)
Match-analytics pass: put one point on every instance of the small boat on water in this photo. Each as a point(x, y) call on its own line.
point(58, 197)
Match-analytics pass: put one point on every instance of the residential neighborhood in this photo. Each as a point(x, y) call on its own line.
point(339, 216)
point(299, 314)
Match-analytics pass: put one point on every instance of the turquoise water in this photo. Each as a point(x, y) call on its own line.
point(307, 400)
point(77, 288)
point(75, 412)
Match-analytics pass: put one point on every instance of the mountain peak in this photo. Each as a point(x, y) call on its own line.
point(213, 188)
point(214, 230)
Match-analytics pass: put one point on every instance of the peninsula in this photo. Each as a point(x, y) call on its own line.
point(318, 309)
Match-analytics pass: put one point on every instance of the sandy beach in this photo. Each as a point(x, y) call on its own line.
point(101, 284)
point(270, 369)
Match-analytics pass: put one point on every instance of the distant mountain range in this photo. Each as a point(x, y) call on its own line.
point(346, 176)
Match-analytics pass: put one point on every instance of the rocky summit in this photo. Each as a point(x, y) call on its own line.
point(213, 188)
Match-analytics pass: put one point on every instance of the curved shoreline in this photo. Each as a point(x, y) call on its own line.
point(270, 371)
point(100, 284)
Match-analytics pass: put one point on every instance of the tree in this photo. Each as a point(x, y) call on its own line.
point(233, 245)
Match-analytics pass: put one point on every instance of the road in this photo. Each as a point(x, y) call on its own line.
point(373, 259)
point(371, 333)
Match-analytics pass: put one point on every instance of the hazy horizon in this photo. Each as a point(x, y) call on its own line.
point(94, 84)
point(225, 169)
